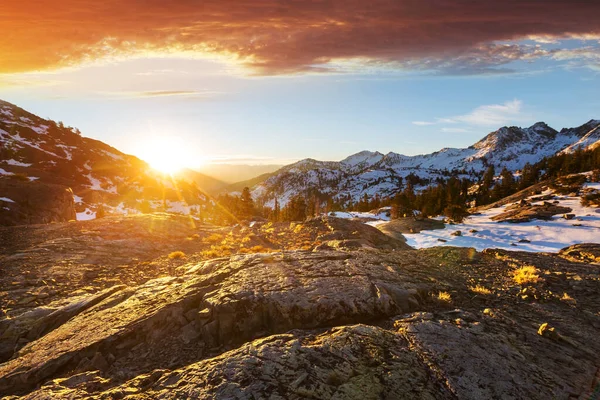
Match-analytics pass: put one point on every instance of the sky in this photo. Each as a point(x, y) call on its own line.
point(275, 81)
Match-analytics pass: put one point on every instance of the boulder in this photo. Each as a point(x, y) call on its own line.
point(34, 202)
point(528, 212)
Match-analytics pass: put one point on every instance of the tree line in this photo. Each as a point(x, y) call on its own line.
point(451, 197)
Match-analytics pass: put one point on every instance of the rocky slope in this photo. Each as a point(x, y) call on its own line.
point(373, 172)
point(39, 152)
point(370, 319)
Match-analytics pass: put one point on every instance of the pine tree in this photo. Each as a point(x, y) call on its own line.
point(246, 210)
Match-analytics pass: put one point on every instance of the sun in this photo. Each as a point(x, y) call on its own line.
point(168, 155)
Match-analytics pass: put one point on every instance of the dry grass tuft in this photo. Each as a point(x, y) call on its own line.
point(176, 254)
point(216, 251)
point(526, 274)
point(213, 238)
point(480, 290)
point(568, 299)
point(444, 297)
point(255, 249)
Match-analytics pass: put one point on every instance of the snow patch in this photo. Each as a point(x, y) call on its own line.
point(480, 232)
point(86, 215)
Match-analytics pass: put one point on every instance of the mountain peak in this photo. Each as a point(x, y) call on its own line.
point(362, 159)
point(540, 125)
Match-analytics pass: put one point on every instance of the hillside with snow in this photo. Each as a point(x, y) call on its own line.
point(480, 231)
point(374, 173)
point(37, 152)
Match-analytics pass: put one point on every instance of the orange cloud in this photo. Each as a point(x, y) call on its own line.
point(276, 36)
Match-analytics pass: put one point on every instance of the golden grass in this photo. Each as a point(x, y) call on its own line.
point(568, 299)
point(249, 238)
point(526, 274)
point(255, 249)
point(480, 290)
point(216, 251)
point(213, 238)
point(176, 254)
point(444, 297)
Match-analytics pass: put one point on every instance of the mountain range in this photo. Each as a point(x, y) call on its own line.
point(372, 173)
point(37, 151)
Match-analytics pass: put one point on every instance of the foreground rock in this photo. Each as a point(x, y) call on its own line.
point(121, 319)
point(585, 252)
point(25, 202)
point(218, 303)
point(284, 325)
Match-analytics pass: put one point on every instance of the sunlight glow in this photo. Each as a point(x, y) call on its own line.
point(168, 154)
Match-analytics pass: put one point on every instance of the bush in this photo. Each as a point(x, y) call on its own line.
point(176, 255)
point(456, 212)
point(213, 238)
point(568, 184)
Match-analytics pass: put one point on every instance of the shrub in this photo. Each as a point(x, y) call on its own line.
point(216, 251)
point(456, 212)
point(568, 184)
point(176, 254)
point(213, 238)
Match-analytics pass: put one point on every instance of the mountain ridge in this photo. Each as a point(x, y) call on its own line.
point(373, 172)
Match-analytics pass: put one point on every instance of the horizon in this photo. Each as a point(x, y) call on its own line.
point(271, 84)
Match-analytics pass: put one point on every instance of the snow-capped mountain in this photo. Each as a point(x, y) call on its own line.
point(42, 152)
point(375, 173)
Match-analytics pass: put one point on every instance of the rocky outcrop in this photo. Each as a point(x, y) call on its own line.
point(222, 302)
point(354, 323)
point(24, 202)
point(584, 252)
point(525, 212)
point(395, 228)
point(344, 233)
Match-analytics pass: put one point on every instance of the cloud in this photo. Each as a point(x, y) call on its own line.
point(285, 37)
point(486, 115)
point(170, 93)
point(583, 57)
point(493, 115)
point(188, 94)
point(455, 130)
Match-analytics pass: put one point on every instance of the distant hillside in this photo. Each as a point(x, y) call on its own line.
point(204, 182)
point(238, 186)
point(232, 173)
point(370, 173)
